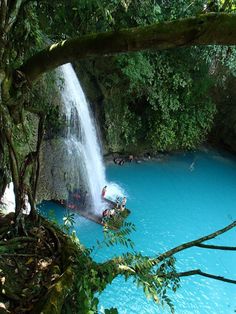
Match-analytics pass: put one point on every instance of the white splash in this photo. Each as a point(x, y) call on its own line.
point(8, 199)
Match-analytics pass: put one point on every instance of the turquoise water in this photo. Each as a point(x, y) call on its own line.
point(175, 201)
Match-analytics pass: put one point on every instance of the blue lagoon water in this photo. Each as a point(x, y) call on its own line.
point(178, 199)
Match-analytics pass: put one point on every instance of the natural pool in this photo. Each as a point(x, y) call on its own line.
point(173, 201)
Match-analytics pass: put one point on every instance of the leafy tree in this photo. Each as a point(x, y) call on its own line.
point(21, 36)
point(20, 40)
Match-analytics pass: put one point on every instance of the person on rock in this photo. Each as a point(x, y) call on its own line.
point(123, 203)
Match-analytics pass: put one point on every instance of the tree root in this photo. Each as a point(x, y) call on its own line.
point(53, 232)
point(17, 240)
point(54, 299)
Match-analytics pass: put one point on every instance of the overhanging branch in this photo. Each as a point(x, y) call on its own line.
point(217, 247)
point(207, 29)
point(198, 272)
point(193, 243)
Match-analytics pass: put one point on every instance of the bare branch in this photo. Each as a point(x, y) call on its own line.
point(217, 247)
point(198, 272)
point(193, 243)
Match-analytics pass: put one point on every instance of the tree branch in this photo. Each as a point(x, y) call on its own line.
point(13, 14)
point(39, 143)
point(198, 272)
point(132, 265)
point(206, 29)
point(193, 243)
point(217, 247)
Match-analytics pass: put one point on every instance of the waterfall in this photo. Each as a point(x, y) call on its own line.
point(81, 140)
point(77, 157)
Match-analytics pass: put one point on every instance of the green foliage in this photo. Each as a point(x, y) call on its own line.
point(121, 126)
point(87, 16)
point(45, 99)
point(221, 62)
point(181, 111)
point(139, 71)
point(61, 19)
point(68, 222)
point(114, 237)
point(91, 276)
point(111, 311)
point(52, 216)
point(24, 134)
point(156, 279)
point(168, 98)
point(156, 101)
point(160, 98)
point(26, 37)
point(151, 100)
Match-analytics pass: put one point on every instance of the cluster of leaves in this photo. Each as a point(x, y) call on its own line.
point(114, 237)
point(70, 18)
point(80, 17)
point(181, 111)
point(26, 36)
point(161, 99)
point(156, 279)
point(121, 124)
point(24, 134)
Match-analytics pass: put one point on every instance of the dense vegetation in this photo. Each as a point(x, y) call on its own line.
point(148, 101)
point(154, 101)
point(162, 99)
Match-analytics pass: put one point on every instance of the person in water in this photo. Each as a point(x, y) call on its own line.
point(123, 203)
point(131, 158)
point(105, 213)
point(118, 201)
point(116, 160)
point(108, 213)
point(119, 161)
point(104, 191)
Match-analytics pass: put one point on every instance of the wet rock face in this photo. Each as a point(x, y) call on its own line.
point(57, 175)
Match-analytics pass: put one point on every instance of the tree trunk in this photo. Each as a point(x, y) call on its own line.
point(207, 29)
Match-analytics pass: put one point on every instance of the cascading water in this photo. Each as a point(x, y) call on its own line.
point(81, 140)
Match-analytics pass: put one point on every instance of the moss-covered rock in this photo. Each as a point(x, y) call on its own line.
point(57, 173)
